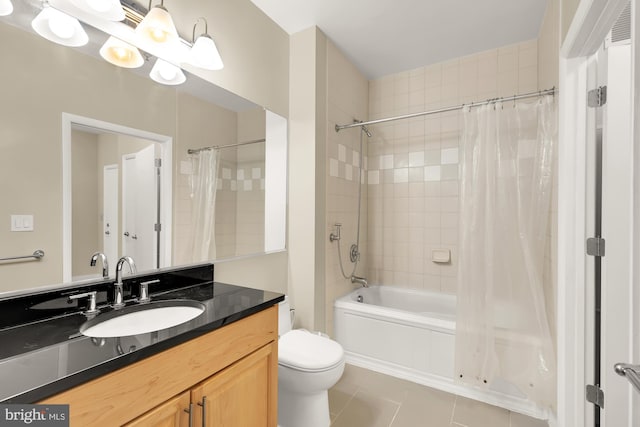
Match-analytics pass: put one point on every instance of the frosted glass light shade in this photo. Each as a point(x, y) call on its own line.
point(166, 73)
point(6, 7)
point(204, 54)
point(107, 9)
point(121, 53)
point(157, 27)
point(59, 27)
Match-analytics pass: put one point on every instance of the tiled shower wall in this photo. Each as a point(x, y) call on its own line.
point(412, 176)
point(239, 208)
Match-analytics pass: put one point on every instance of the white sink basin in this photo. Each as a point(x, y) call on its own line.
point(142, 318)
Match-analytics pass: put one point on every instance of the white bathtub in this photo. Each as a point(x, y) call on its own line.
point(411, 335)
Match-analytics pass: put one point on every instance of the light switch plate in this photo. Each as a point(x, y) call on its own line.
point(21, 222)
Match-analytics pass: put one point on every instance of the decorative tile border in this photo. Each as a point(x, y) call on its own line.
point(246, 179)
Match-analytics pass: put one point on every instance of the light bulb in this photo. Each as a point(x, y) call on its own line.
point(59, 27)
point(157, 26)
point(158, 35)
point(121, 53)
point(6, 7)
point(61, 24)
point(166, 73)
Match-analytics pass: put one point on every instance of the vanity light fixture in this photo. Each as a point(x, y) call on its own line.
point(59, 27)
point(121, 53)
point(204, 53)
point(166, 73)
point(107, 9)
point(6, 7)
point(157, 26)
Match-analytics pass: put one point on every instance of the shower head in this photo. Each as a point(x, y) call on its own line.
point(363, 128)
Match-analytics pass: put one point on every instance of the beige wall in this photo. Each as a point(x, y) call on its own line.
point(85, 201)
point(306, 164)
point(255, 50)
point(548, 76)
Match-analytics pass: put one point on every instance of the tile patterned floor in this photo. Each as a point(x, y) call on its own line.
point(364, 398)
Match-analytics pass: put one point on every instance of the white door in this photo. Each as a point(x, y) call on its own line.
point(617, 226)
point(609, 277)
point(110, 215)
point(146, 209)
point(139, 208)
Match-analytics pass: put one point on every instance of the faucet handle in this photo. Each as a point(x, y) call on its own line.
point(144, 290)
point(92, 301)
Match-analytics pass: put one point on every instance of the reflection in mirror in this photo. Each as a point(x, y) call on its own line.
point(47, 88)
point(117, 196)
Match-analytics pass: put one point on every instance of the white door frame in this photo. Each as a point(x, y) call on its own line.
point(166, 155)
point(110, 188)
point(591, 23)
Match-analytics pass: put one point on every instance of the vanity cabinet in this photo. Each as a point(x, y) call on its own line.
point(168, 414)
point(232, 370)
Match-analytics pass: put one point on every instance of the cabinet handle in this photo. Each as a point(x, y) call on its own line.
point(190, 412)
point(204, 410)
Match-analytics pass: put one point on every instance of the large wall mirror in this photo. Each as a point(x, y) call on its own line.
point(97, 158)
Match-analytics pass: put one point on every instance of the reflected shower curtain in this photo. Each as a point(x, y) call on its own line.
point(502, 329)
point(204, 183)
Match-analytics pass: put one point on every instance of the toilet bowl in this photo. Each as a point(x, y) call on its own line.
point(308, 365)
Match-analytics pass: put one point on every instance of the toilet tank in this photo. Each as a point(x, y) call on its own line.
point(284, 316)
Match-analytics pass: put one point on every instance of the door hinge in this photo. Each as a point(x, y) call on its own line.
point(595, 246)
point(158, 163)
point(597, 97)
point(595, 395)
point(157, 227)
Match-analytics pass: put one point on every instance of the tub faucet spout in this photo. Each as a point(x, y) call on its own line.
point(360, 280)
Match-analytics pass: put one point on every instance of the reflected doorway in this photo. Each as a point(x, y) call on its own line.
point(113, 203)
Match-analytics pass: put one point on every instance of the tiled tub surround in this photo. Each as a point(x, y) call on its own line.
point(43, 353)
point(412, 168)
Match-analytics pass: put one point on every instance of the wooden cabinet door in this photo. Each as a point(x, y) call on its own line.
point(242, 395)
point(169, 414)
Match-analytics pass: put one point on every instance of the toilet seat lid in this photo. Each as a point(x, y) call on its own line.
point(306, 351)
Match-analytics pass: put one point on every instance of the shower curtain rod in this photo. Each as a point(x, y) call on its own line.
point(213, 147)
point(551, 91)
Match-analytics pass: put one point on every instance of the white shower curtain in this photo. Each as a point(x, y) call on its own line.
point(502, 328)
point(204, 182)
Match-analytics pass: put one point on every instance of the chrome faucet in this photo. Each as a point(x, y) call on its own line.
point(360, 280)
point(118, 299)
point(105, 263)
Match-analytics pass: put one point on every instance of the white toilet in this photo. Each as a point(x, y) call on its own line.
point(308, 365)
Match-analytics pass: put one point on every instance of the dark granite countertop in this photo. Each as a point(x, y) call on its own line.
point(48, 355)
